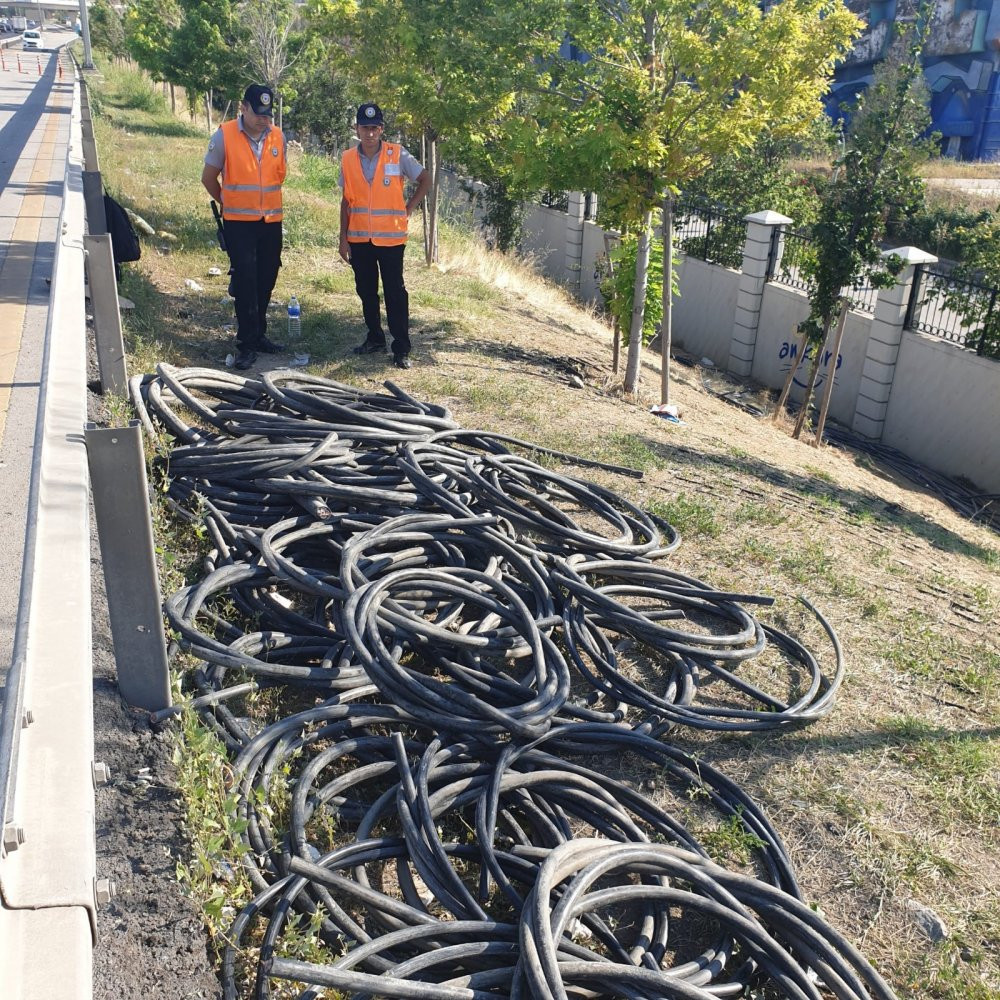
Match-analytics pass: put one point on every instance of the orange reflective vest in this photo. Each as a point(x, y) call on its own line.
point(378, 210)
point(251, 188)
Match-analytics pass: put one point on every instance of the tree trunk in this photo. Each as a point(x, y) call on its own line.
point(281, 111)
point(208, 110)
point(423, 205)
point(632, 363)
point(800, 420)
point(173, 100)
point(828, 388)
point(668, 268)
point(789, 378)
point(431, 227)
point(616, 330)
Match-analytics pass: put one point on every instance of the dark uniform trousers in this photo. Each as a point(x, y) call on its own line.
point(368, 261)
point(255, 253)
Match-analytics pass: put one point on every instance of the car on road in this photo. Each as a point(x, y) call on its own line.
point(32, 39)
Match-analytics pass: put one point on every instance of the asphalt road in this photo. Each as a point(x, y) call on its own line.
point(35, 109)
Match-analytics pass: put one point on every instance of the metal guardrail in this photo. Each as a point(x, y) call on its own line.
point(958, 310)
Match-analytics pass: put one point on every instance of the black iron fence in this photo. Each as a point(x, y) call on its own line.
point(955, 309)
point(710, 233)
point(797, 256)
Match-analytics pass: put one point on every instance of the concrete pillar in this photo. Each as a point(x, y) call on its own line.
point(753, 278)
point(574, 239)
point(883, 345)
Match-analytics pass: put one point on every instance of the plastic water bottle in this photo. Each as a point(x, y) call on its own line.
point(294, 319)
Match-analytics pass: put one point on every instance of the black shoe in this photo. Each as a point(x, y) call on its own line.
point(266, 346)
point(370, 347)
point(401, 360)
point(245, 358)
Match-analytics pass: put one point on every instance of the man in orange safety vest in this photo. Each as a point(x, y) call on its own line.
point(374, 216)
point(245, 167)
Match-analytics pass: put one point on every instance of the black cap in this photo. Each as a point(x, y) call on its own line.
point(370, 114)
point(260, 99)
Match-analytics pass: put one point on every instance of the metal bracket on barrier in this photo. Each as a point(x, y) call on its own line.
point(125, 532)
point(107, 318)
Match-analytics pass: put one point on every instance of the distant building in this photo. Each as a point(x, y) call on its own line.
point(961, 66)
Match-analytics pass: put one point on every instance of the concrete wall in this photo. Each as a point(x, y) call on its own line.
point(944, 410)
point(593, 251)
point(944, 402)
point(703, 312)
point(545, 240)
point(777, 346)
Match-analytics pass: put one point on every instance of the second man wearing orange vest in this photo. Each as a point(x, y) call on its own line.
point(249, 154)
point(374, 213)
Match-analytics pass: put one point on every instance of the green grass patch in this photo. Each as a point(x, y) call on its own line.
point(690, 515)
point(960, 769)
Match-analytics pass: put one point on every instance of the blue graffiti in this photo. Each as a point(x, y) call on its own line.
point(790, 352)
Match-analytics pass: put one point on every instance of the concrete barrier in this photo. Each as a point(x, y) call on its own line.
point(48, 881)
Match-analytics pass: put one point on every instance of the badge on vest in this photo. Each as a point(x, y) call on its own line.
point(392, 170)
point(274, 150)
point(386, 181)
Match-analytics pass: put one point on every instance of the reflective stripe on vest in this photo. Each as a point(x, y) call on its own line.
point(378, 210)
point(251, 188)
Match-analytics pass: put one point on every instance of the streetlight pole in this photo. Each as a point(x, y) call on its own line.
point(88, 58)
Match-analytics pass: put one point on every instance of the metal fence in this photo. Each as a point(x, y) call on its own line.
point(797, 255)
point(958, 310)
point(798, 251)
point(710, 233)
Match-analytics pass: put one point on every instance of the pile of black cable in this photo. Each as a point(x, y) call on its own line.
point(483, 642)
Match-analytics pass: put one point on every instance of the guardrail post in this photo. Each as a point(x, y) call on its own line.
point(891, 310)
point(125, 533)
point(107, 317)
point(759, 261)
point(93, 198)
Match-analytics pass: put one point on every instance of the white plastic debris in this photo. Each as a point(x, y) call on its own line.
point(214, 272)
point(299, 361)
point(668, 411)
point(707, 363)
point(230, 360)
point(124, 303)
point(192, 284)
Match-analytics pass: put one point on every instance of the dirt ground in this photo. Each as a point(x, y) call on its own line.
point(151, 940)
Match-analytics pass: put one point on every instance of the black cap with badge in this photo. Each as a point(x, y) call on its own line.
point(260, 99)
point(370, 114)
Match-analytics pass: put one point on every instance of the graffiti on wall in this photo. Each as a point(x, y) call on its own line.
point(961, 69)
point(788, 358)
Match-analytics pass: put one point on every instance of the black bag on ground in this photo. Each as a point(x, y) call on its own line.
point(124, 239)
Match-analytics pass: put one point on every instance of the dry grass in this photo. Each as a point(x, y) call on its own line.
point(895, 796)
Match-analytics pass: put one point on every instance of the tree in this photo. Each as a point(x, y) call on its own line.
point(445, 68)
point(320, 98)
point(265, 34)
point(149, 26)
point(975, 300)
point(106, 30)
point(203, 49)
point(876, 176)
point(669, 86)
